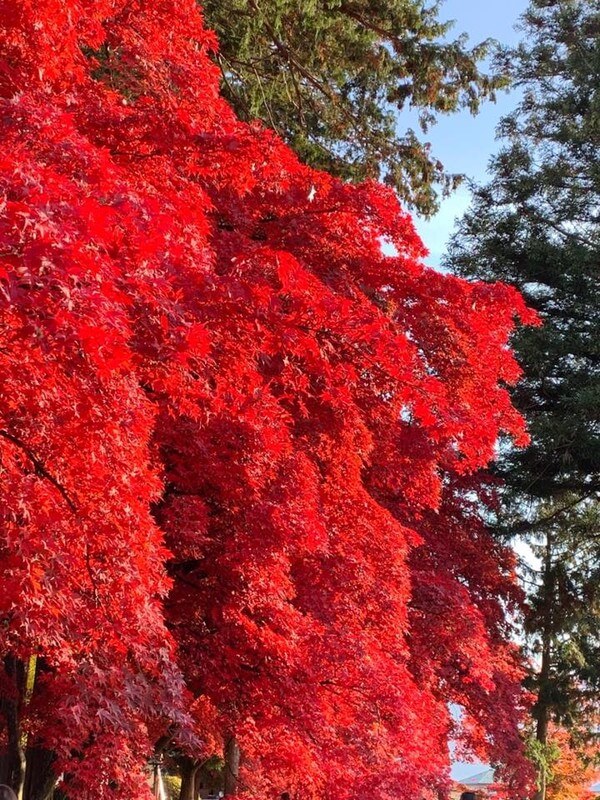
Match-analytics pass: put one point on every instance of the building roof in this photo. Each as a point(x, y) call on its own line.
point(485, 778)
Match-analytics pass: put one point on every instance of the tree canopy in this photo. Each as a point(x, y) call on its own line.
point(241, 445)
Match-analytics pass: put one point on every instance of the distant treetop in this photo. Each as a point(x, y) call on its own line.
point(332, 78)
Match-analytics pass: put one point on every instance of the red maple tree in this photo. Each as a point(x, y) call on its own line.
point(241, 443)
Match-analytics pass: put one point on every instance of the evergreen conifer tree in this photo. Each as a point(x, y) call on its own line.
point(333, 78)
point(536, 226)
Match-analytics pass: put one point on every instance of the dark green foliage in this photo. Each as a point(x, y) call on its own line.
point(563, 622)
point(537, 226)
point(332, 76)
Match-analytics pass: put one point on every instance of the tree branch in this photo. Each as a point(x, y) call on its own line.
point(40, 469)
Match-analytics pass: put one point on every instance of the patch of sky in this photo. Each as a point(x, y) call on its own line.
point(463, 769)
point(462, 142)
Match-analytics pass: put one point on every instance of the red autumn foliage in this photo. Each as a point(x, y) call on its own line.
point(240, 443)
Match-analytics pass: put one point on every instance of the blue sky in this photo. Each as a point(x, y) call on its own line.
point(465, 143)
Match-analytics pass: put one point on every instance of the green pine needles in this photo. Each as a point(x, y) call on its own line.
point(334, 77)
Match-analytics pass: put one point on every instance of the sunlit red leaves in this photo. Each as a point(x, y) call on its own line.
point(203, 342)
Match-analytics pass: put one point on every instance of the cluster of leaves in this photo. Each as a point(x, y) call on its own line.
point(333, 78)
point(240, 444)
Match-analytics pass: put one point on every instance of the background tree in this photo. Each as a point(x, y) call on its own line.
point(575, 770)
point(333, 78)
point(570, 770)
point(536, 225)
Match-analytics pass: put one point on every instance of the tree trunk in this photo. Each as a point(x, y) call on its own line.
point(542, 706)
point(27, 770)
point(10, 706)
point(188, 769)
point(232, 767)
point(197, 783)
point(40, 779)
